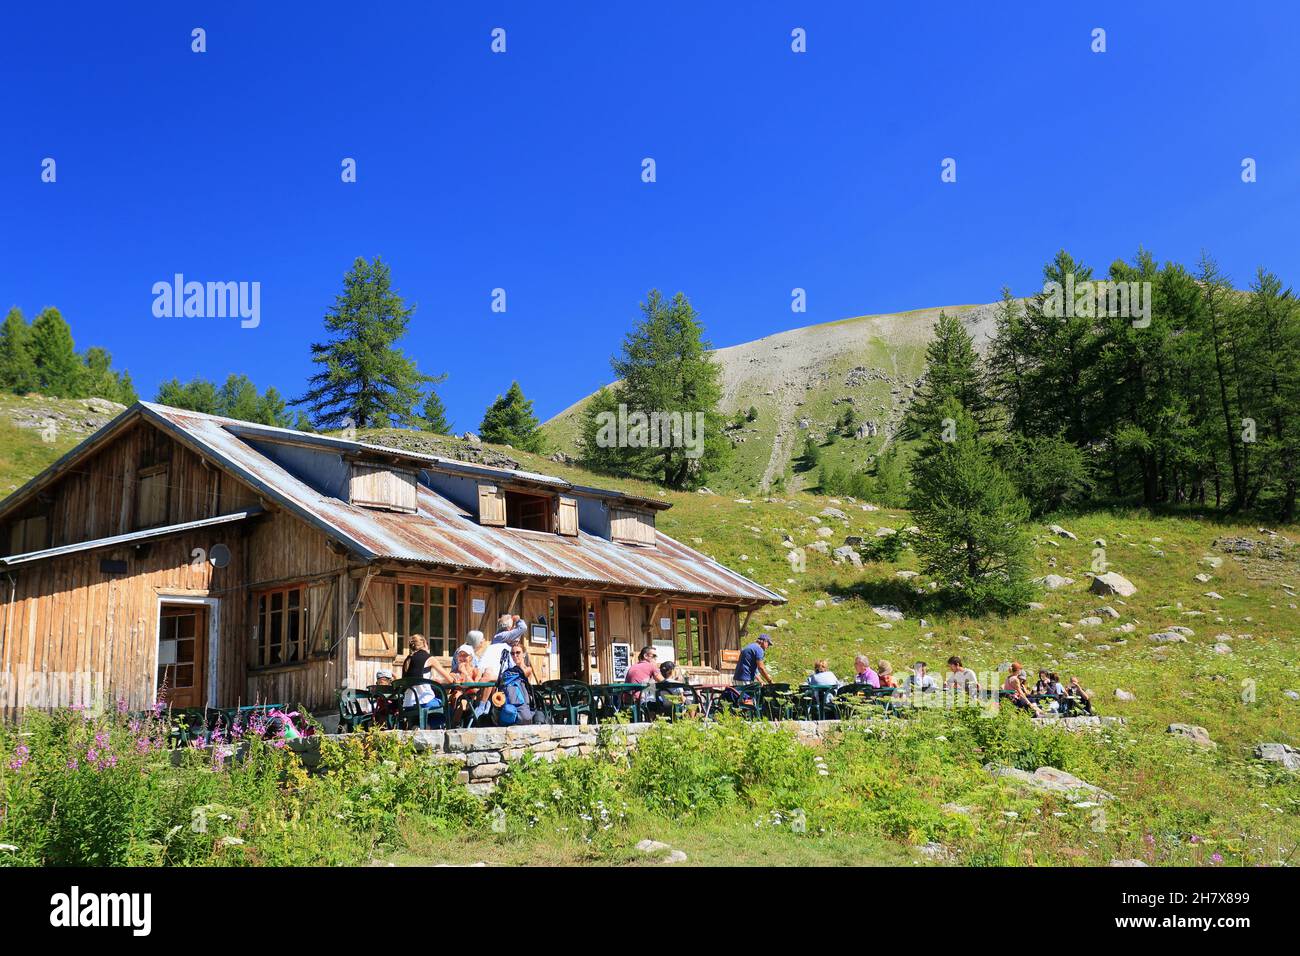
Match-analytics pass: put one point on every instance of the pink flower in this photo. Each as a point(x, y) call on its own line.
point(1216, 858)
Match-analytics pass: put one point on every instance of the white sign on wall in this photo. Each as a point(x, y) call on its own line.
point(477, 605)
point(665, 624)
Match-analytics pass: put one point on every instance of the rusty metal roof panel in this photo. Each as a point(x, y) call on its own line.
point(441, 533)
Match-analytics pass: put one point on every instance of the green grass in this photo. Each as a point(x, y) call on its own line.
point(24, 453)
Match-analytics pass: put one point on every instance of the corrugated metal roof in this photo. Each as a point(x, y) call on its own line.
point(443, 534)
point(134, 537)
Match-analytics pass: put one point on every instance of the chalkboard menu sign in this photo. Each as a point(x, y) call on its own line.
point(622, 661)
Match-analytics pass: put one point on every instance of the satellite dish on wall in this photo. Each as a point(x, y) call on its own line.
point(219, 556)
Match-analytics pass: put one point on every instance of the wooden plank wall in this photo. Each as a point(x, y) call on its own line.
point(65, 621)
point(283, 549)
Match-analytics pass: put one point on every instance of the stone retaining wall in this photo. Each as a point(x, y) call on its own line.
point(484, 753)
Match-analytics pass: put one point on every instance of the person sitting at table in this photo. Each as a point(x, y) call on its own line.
point(646, 669)
point(863, 672)
point(518, 673)
point(420, 665)
point(474, 641)
point(1015, 686)
point(960, 677)
point(919, 680)
point(885, 671)
point(1078, 697)
point(751, 665)
point(823, 676)
point(383, 709)
point(1043, 687)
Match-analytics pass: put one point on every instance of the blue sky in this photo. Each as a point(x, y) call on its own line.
point(522, 170)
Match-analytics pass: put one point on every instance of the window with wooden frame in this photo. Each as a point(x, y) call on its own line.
point(29, 534)
point(692, 637)
point(529, 512)
point(431, 610)
point(382, 486)
point(151, 496)
point(281, 626)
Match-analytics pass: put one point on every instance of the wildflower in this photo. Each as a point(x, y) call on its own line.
point(72, 764)
point(1216, 858)
point(121, 705)
point(1195, 838)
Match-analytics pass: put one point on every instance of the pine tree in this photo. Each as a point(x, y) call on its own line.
point(952, 372)
point(971, 517)
point(364, 377)
point(17, 365)
point(667, 375)
point(58, 369)
point(595, 448)
point(433, 414)
point(510, 421)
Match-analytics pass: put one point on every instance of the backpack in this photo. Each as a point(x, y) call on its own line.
point(515, 688)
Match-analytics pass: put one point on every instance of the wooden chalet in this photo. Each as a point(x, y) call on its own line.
point(215, 562)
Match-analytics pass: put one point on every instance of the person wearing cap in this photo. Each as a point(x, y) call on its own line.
point(474, 642)
point(751, 665)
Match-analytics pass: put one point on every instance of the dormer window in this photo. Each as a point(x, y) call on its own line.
point(383, 487)
point(528, 512)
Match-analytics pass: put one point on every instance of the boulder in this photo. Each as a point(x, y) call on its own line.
point(1167, 637)
point(1282, 754)
point(1054, 581)
point(888, 612)
point(1050, 780)
point(1108, 611)
point(1121, 694)
point(1222, 648)
point(846, 553)
point(1128, 862)
point(834, 513)
point(1112, 583)
point(883, 532)
point(1197, 735)
point(1060, 532)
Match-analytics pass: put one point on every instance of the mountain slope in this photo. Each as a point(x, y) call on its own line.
point(799, 382)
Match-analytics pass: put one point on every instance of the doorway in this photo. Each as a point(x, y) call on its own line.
point(182, 676)
point(569, 632)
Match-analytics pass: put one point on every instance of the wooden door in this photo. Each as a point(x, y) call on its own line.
point(617, 631)
point(183, 655)
point(537, 610)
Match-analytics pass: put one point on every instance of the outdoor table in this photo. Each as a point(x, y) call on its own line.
point(609, 693)
point(819, 696)
point(464, 685)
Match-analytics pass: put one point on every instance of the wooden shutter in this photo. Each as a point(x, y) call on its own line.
point(486, 619)
point(376, 486)
point(631, 527)
point(151, 497)
point(491, 505)
point(726, 634)
point(379, 621)
point(566, 516)
point(320, 615)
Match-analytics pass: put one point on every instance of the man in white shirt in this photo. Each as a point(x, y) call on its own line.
point(960, 677)
point(919, 679)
